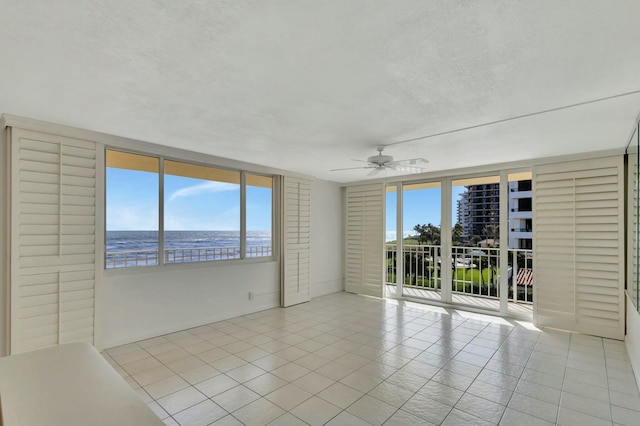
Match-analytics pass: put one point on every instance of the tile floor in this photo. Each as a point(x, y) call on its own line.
point(344, 359)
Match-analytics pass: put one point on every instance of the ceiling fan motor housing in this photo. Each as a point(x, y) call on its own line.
point(380, 160)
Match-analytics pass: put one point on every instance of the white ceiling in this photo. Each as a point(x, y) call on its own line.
point(308, 85)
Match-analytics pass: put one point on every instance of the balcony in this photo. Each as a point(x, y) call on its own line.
point(476, 275)
point(516, 193)
point(521, 235)
point(520, 213)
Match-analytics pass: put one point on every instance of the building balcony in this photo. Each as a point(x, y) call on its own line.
point(515, 193)
point(515, 213)
point(521, 235)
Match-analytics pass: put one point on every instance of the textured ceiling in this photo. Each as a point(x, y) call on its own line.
point(308, 85)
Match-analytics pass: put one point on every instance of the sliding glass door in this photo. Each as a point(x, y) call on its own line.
point(464, 241)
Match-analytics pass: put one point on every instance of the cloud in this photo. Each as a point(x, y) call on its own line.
point(226, 220)
point(140, 217)
point(203, 188)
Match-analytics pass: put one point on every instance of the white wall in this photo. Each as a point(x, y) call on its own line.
point(327, 246)
point(632, 338)
point(141, 304)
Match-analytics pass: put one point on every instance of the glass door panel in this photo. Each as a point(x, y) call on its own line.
point(475, 242)
point(520, 257)
point(391, 243)
point(421, 243)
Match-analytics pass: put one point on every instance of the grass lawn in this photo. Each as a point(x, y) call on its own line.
point(473, 275)
point(464, 280)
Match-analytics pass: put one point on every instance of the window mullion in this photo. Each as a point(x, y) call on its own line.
point(243, 215)
point(161, 259)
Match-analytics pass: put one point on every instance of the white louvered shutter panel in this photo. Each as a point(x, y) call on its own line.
point(296, 258)
point(579, 246)
point(365, 240)
point(53, 202)
point(632, 226)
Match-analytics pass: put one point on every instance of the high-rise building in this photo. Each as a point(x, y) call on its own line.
point(520, 215)
point(478, 211)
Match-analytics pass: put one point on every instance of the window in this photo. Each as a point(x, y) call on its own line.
point(131, 210)
point(201, 213)
point(208, 213)
point(259, 217)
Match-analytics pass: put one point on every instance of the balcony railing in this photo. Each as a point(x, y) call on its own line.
point(133, 258)
point(130, 258)
point(421, 265)
point(475, 271)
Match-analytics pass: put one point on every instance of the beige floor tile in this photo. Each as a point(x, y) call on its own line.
point(288, 396)
point(201, 414)
point(181, 400)
point(315, 411)
point(258, 413)
point(235, 398)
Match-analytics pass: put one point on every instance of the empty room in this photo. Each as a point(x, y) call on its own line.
point(307, 213)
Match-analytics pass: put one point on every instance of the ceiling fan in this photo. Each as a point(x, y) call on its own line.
point(380, 162)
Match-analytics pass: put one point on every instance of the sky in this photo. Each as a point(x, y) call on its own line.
point(194, 204)
point(190, 204)
point(421, 206)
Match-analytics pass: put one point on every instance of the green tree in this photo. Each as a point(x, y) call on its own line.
point(428, 234)
point(433, 234)
point(456, 234)
point(491, 232)
point(422, 233)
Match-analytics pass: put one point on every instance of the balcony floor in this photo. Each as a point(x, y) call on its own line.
point(519, 309)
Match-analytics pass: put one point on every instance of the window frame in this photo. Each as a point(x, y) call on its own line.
point(242, 259)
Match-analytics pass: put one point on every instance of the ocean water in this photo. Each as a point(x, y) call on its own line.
point(179, 243)
point(148, 240)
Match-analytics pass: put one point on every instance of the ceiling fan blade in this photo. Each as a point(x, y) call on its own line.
point(375, 171)
point(351, 168)
point(412, 169)
point(412, 162)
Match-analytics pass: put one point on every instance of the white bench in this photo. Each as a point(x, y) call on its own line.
point(68, 385)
